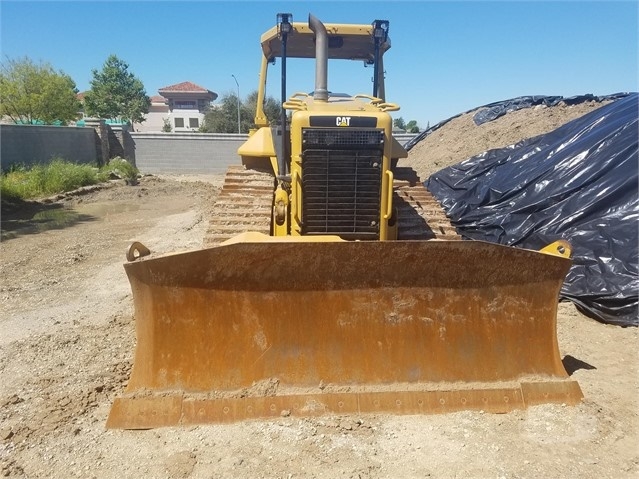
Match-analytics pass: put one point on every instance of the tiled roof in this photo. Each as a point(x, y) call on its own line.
point(158, 99)
point(80, 96)
point(184, 86)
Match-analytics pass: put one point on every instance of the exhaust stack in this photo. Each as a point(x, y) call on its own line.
point(321, 58)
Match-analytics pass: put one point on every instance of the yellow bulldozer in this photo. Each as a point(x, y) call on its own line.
point(331, 281)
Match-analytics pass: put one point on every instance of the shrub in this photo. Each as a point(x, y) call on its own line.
point(119, 168)
point(13, 185)
point(60, 176)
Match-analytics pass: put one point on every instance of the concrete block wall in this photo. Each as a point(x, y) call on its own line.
point(30, 144)
point(155, 153)
point(193, 153)
point(188, 153)
point(120, 142)
point(404, 138)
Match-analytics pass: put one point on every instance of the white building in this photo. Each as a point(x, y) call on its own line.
point(182, 105)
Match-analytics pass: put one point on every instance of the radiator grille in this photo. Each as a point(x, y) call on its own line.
point(341, 183)
point(341, 138)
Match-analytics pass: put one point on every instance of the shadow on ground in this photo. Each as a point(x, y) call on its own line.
point(21, 218)
point(572, 364)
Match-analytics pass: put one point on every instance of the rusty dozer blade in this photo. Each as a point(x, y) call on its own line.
point(261, 329)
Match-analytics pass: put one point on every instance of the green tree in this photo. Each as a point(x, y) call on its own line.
point(399, 123)
point(272, 110)
point(116, 93)
point(411, 127)
point(222, 118)
point(166, 126)
point(32, 93)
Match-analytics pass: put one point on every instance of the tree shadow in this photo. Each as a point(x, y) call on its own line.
point(20, 218)
point(572, 364)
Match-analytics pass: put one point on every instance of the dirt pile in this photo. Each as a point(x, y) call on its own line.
point(460, 138)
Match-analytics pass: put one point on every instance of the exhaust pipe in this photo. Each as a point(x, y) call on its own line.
point(321, 58)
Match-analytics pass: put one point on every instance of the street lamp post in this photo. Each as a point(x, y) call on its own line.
point(238, 103)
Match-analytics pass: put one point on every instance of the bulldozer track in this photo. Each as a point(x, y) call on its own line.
point(246, 199)
point(244, 204)
point(420, 216)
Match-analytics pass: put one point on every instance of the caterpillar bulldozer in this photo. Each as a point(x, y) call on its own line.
point(331, 281)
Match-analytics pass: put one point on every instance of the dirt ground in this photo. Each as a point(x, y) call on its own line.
point(67, 340)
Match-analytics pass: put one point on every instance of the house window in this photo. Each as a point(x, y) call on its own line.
point(203, 105)
point(184, 105)
point(194, 122)
point(179, 123)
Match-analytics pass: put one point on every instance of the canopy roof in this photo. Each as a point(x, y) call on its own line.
point(345, 41)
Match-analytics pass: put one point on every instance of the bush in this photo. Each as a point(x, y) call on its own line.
point(13, 185)
point(118, 168)
point(60, 176)
point(41, 180)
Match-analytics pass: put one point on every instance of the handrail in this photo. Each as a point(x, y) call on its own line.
point(295, 182)
point(389, 203)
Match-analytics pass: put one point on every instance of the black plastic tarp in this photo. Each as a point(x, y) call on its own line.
point(492, 111)
point(579, 183)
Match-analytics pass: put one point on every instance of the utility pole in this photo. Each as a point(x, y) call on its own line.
point(238, 103)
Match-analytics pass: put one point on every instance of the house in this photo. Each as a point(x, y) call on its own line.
point(183, 107)
point(157, 115)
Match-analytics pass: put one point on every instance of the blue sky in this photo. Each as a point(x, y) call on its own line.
point(446, 57)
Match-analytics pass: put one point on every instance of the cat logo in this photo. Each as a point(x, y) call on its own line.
point(343, 121)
